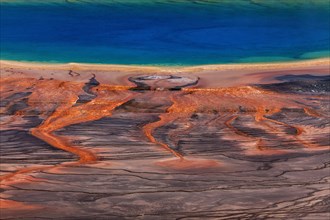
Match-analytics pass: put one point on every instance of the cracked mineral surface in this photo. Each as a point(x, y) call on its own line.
point(162, 144)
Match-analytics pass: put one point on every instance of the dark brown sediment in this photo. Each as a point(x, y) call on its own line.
point(167, 151)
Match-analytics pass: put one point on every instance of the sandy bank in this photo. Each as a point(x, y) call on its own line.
point(221, 75)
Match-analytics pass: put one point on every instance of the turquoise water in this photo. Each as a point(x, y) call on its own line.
point(164, 32)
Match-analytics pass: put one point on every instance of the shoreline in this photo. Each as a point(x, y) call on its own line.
point(211, 76)
point(280, 64)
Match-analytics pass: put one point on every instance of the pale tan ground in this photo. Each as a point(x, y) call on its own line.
point(212, 76)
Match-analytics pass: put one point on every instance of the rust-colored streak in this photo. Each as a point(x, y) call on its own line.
point(215, 129)
point(229, 125)
point(56, 102)
point(259, 149)
point(15, 205)
point(312, 112)
point(101, 107)
point(65, 114)
point(178, 109)
point(299, 131)
point(181, 108)
point(94, 110)
point(85, 156)
point(22, 171)
point(150, 128)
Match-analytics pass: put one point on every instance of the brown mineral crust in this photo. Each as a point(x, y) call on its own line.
point(180, 134)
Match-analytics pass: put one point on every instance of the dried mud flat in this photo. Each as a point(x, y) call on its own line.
point(164, 145)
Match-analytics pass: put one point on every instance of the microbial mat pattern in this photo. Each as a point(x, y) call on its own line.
point(163, 146)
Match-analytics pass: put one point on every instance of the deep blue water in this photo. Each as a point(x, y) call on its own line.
point(163, 33)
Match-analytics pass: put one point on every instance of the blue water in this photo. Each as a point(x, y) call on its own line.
point(163, 33)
